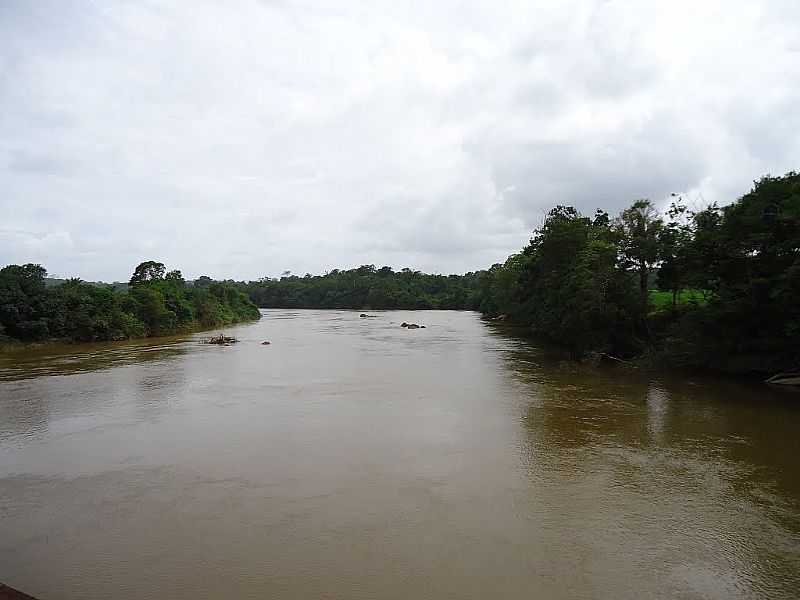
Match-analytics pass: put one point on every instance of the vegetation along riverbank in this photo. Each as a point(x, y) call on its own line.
point(732, 276)
point(156, 302)
point(714, 288)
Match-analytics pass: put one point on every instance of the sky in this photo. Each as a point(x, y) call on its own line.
point(243, 139)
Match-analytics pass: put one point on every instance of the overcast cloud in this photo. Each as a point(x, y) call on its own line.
point(241, 139)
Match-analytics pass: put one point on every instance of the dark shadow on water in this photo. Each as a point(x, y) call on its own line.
point(663, 460)
point(68, 359)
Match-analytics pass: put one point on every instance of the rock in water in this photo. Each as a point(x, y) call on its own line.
point(265, 343)
point(220, 340)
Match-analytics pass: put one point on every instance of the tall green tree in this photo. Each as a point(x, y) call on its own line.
point(23, 301)
point(147, 271)
point(675, 251)
point(640, 229)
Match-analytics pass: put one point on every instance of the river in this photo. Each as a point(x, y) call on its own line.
point(352, 458)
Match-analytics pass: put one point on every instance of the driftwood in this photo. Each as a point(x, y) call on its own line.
point(220, 340)
point(626, 362)
point(788, 378)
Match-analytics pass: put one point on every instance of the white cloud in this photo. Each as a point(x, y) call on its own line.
point(246, 138)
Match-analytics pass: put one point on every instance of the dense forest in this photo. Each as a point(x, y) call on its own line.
point(716, 288)
point(156, 302)
point(368, 287)
point(731, 276)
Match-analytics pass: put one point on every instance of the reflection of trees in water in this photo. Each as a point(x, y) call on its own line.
point(747, 428)
point(571, 405)
point(79, 358)
point(697, 463)
point(101, 379)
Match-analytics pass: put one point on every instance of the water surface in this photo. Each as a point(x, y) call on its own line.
point(355, 459)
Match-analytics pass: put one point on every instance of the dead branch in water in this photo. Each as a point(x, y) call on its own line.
point(625, 362)
point(220, 340)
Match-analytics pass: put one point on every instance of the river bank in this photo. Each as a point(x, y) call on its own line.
point(10, 345)
point(654, 361)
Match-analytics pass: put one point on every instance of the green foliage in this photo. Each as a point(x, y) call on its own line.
point(640, 235)
point(222, 303)
point(84, 312)
point(157, 303)
point(148, 271)
point(748, 253)
point(23, 302)
point(728, 279)
point(675, 245)
point(568, 285)
point(661, 300)
point(368, 288)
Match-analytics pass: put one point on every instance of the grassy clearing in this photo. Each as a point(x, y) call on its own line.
point(663, 300)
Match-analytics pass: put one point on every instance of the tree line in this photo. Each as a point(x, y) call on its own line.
point(369, 287)
point(590, 283)
point(716, 288)
point(156, 302)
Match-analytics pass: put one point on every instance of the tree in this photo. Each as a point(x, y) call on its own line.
point(23, 298)
point(204, 281)
point(756, 274)
point(148, 271)
point(639, 227)
point(675, 245)
point(151, 309)
point(568, 286)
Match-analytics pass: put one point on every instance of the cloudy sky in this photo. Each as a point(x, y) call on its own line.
point(245, 138)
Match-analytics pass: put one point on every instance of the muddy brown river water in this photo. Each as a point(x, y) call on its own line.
point(352, 458)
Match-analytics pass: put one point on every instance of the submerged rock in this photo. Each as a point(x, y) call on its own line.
point(412, 326)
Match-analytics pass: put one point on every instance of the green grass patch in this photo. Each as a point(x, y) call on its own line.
point(663, 300)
